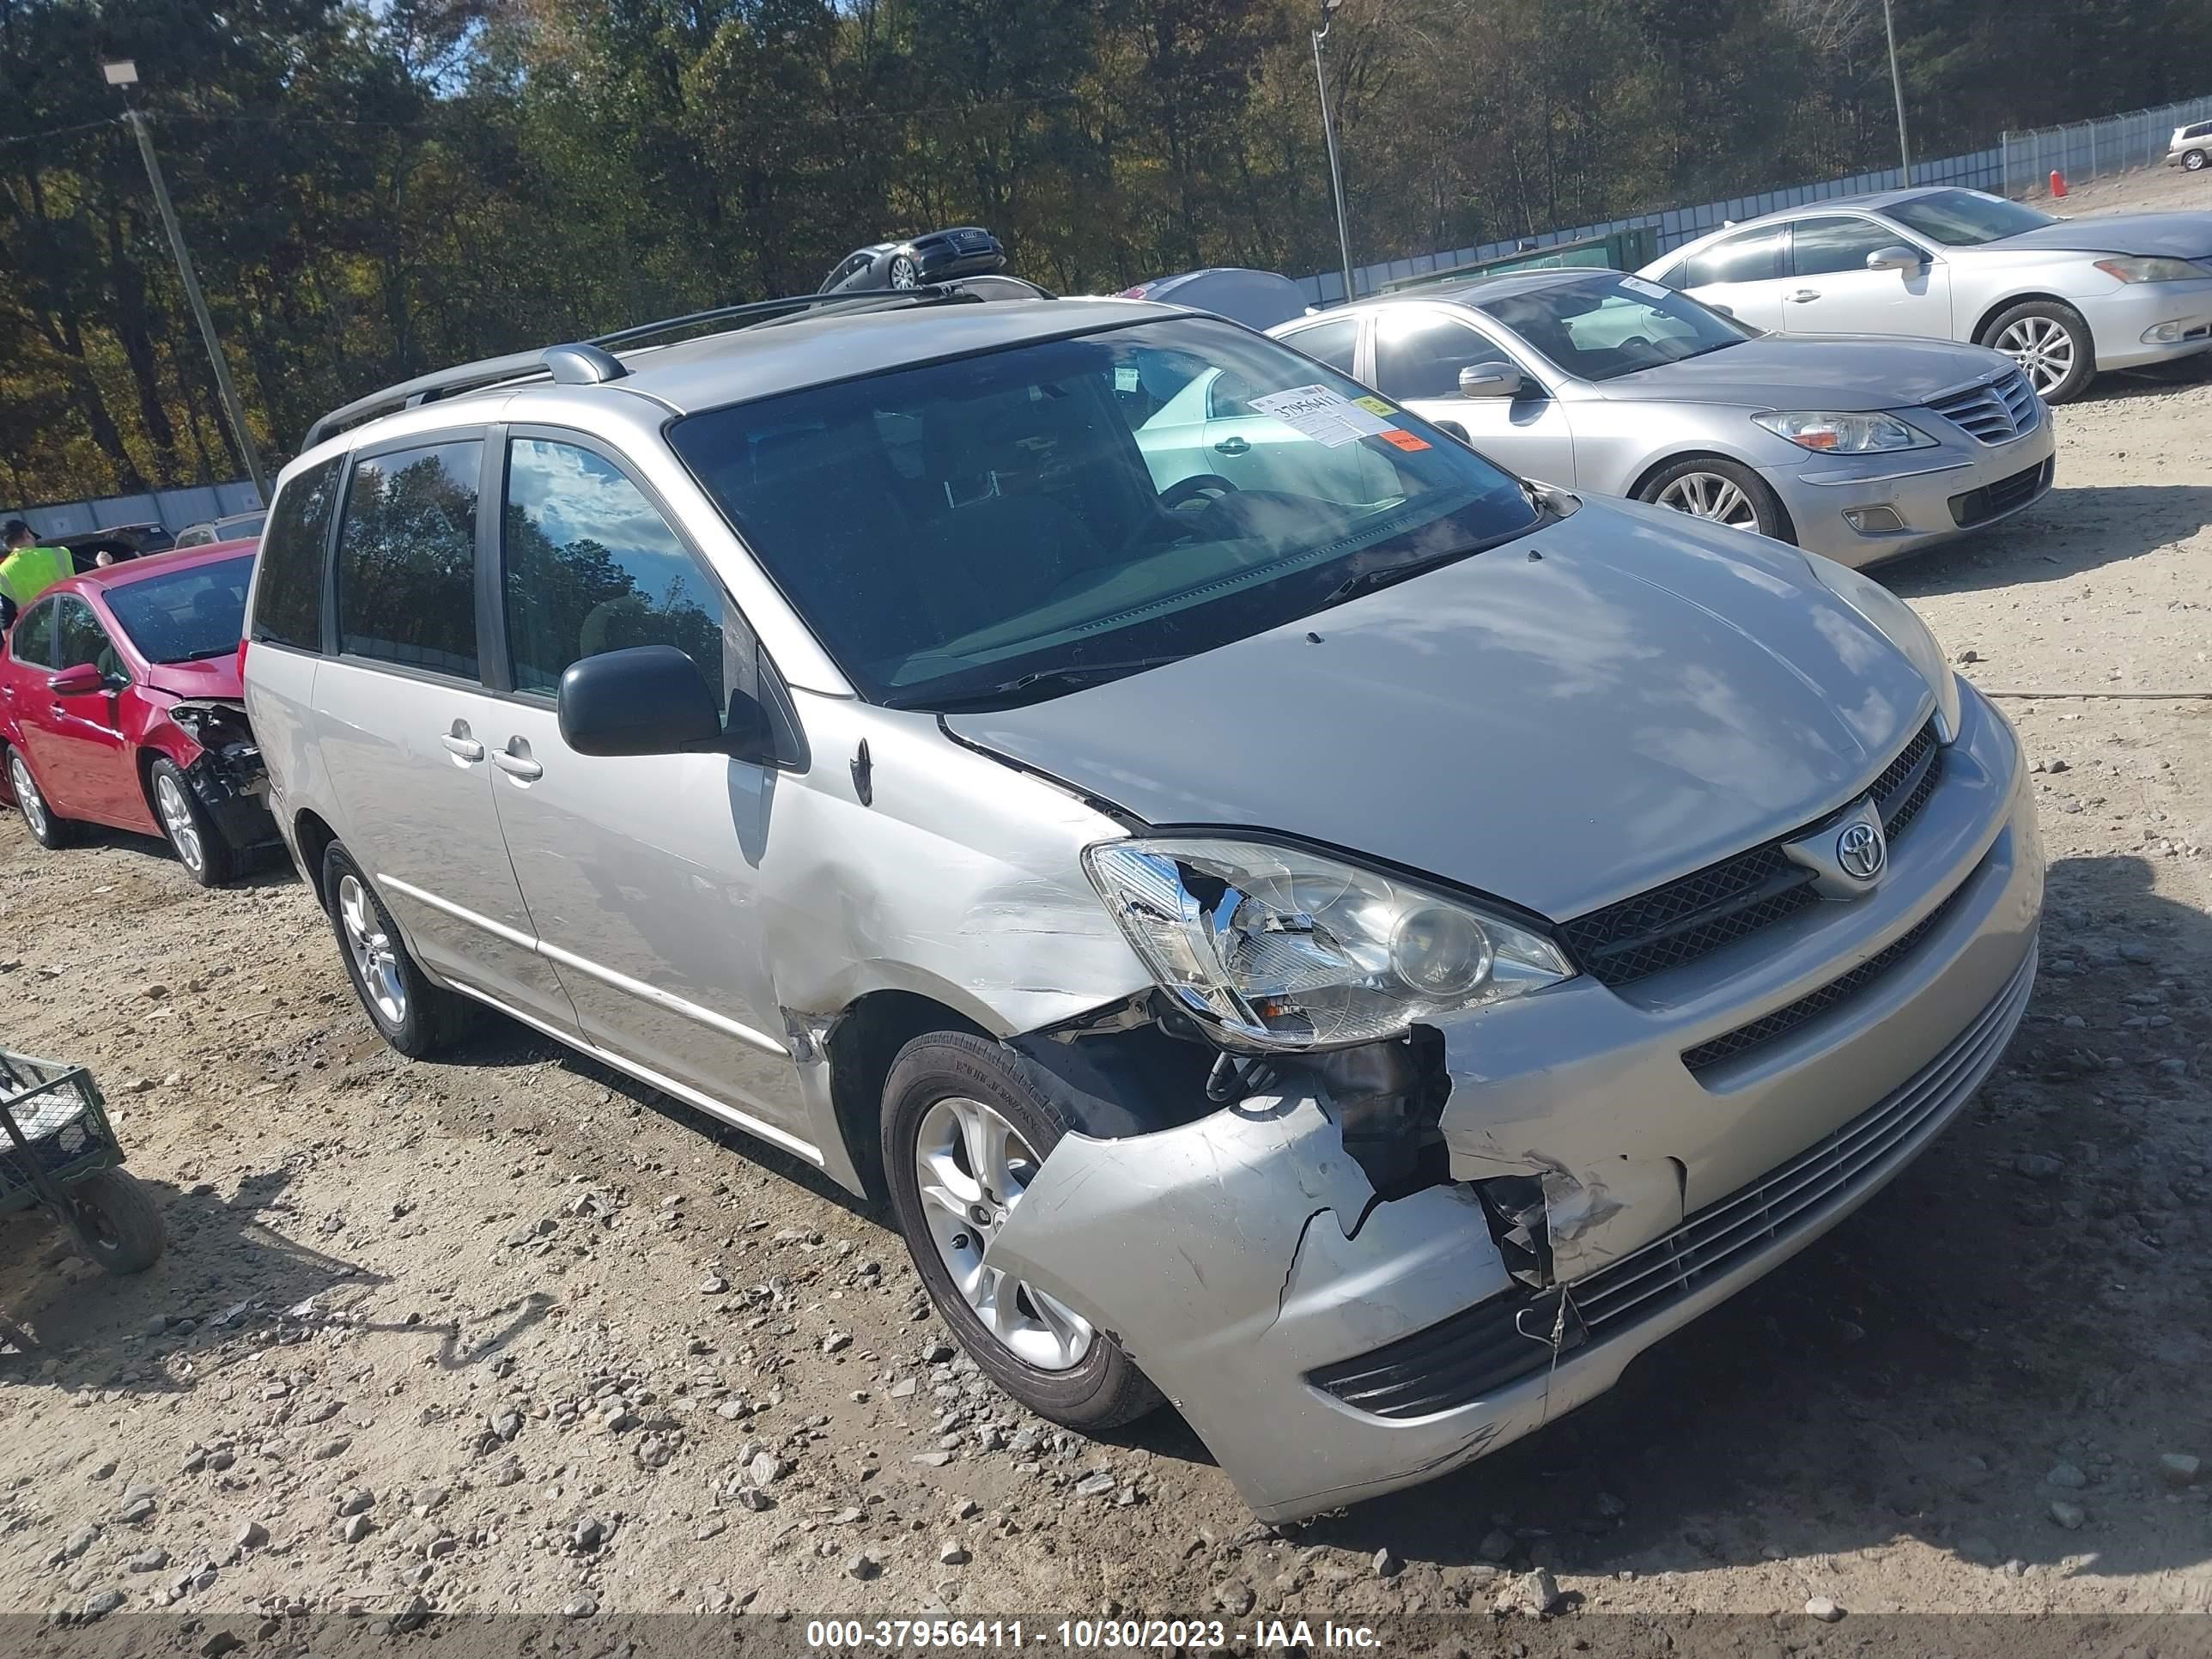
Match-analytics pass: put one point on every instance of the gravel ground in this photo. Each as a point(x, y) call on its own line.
point(507, 1335)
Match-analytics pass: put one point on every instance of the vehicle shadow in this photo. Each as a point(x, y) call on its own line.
point(264, 866)
point(2023, 1296)
point(2072, 530)
point(230, 1267)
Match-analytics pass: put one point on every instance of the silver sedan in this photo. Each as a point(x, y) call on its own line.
point(1859, 449)
point(2063, 298)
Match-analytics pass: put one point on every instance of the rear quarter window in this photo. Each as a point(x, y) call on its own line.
point(287, 595)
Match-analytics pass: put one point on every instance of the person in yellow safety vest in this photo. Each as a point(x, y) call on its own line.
point(27, 570)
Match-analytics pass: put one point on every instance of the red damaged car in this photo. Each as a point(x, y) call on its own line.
point(119, 704)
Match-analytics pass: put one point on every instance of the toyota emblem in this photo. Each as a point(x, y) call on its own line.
point(1860, 852)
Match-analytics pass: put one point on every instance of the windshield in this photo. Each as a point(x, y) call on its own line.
point(186, 615)
point(1966, 218)
point(1079, 508)
point(1603, 327)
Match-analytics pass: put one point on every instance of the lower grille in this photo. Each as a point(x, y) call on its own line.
point(1994, 501)
point(1474, 1354)
point(1813, 1184)
point(1696, 915)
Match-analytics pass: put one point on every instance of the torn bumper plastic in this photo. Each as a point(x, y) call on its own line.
point(228, 777)
point(1330, 1345)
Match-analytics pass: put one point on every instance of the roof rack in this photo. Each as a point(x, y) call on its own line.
point(592, 362)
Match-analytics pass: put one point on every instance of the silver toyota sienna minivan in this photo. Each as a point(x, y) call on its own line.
point(1336, 937)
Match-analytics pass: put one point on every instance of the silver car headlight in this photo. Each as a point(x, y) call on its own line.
point(1900, 624)
point(2134, 268)
point(1277, 948)
point(1830, 432)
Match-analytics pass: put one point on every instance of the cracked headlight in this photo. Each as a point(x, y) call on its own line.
point(1900, 624)
point(1278, 948)
point(1831, 434)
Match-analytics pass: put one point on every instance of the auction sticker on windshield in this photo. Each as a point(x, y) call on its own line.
point(1327, 417)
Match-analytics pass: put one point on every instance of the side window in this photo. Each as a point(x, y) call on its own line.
point(33, 639)
point(288, 594)
point(591, 566)
point(407, 558)
point(1420, 355)
point(79, 638)
point(1752, 256)
point(1821, 246)
point(1335, 343)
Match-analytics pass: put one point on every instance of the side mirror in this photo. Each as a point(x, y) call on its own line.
point(1899, 258)
point(647, 699)
point(82, 681)
point(1491, 380)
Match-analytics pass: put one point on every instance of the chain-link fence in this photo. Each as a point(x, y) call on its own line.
point(2087, 150)
point(2020, 164)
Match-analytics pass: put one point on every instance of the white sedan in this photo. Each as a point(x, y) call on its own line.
point(2064, 298)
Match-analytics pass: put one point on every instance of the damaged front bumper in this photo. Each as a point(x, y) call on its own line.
point(1330, 1344)
point(228, 777)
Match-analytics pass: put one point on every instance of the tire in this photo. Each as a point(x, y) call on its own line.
point(208, 858)
point(415, 1016)
point(1086, 1381)
point(50, 832)
point(904, 272)
point(115, 1220)
point(2051, 344)
point(2192, 161)
point(1722, 491)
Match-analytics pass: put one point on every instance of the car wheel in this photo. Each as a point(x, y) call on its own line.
point(415, 1016)
point(2050, 344)
point(50, 831)
point(198, 844)
point(904, 272)
point(964, 1132)
point(2193, 160)
point(1726, 492)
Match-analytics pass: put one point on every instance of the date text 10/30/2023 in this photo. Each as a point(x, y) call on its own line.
point(1262, 1635)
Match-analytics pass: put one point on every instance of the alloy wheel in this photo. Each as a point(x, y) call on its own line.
point(32, 803)
point(374, 957)
point(177, 818)
point(971, 1167)
point(2194, 161)
point(1709, 495)
point(905, 273)
point(2042, 346)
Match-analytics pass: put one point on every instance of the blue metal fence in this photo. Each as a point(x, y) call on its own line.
point(173, 508)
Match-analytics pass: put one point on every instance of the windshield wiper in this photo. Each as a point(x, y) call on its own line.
point(1073, 677)
point(1387, 576)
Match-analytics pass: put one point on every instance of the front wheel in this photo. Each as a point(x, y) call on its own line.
point(50, 832)
point(2051, 344)
point(905, 273)
point(115, 1219)
point(1723, 491)
point(964, 1133)
point(198, 844)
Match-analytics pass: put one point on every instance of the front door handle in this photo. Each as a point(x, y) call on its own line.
point(1804, 293)
point(514, 761)
point(1233, 446)
point(459, 742)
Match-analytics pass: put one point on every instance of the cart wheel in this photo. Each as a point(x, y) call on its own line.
point(116, 1221)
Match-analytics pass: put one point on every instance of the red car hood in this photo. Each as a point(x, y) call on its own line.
point(210, 677)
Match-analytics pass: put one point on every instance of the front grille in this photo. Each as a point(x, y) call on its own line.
point(1788, 1018)
point(1994, 501)
point(1995, 413)
point(1471, 1355)
point(1696, 915)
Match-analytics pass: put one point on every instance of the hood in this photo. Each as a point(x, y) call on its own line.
point(1798, 371)
point(1651, 695)
point(2175, 235)
point(210, 677)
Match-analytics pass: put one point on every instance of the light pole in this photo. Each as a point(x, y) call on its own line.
point(123, 75)
point(1328, 136)
point(1897, 86)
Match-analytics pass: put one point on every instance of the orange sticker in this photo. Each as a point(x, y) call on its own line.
point(1403, 440)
